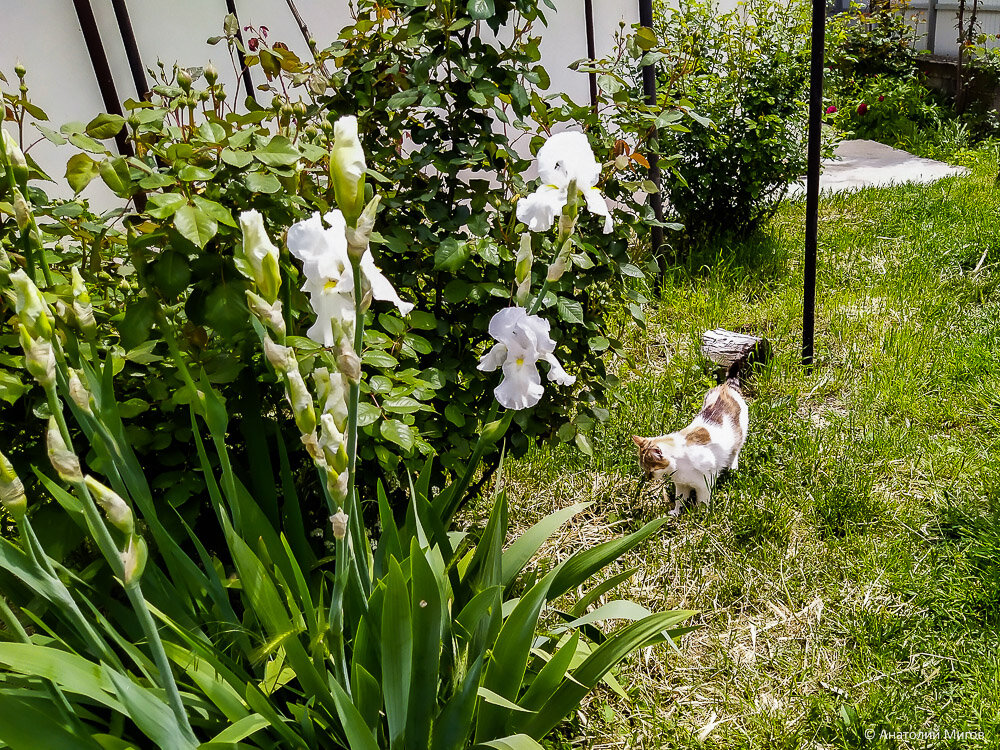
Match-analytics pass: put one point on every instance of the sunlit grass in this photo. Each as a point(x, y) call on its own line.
point(848, 577)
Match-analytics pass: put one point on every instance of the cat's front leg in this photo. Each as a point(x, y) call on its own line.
point(682, 494)
point(704, 495)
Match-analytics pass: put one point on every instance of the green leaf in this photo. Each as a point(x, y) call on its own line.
point(498, 700)
point(454, 415)
point(241, 729)
point(138, 322)
point(551, 674)
point(399, 433)
point(25, 726)
point(359, 737)
point(514, 742)
point(401, 405)
point(278, 152)
point(80, 170)
point(632, 270)
point(569, 310)
point(195, 224)
point(115, 174)
point(368, 414)
point(50, 135)
point(579, 567)
point(171, 273)
point(402, 99)
point(11, 387)
point(165, 205)
point(216, 210)
point(397, 652)
point(238, 159)
point(105, 126)
point(600, 590)
point(505, 672)
point(569, 694)
point(519, 554)
point(259, 182)
point(451, 255)
point(193, 173)
point(225, 308)
point(645, 38)
point(74, 674)
point(152, 715)
point(427, 616)
point(454, 724)
point(480, 10)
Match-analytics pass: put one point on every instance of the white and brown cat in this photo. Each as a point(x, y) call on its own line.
point(695, 456)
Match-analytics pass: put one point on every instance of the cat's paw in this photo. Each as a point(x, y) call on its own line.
point(674, 513)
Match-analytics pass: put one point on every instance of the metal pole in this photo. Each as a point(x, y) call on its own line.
point(588, 11)
point(649, 91)
point(931, 25)
point(99, 61)
point(131, 48)
point(812, 180)
point(247, 80)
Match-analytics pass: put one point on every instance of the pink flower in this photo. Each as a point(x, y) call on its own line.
point(881, 98)
point(831, 109)
point(252, 44)
point(862, 108)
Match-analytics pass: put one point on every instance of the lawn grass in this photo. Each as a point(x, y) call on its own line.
point(848, 576)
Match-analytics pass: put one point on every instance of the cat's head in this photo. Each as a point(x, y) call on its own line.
point(654, 456)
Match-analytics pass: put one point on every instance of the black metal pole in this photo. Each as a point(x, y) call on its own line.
point(588, 12)
point(99, 61)
point(247, 80)
point(131, 48)
point(812, 180)
point(649, 91)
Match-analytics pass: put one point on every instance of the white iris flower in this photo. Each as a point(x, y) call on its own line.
point(329, 278)
point(522, 340)
point(563, 157)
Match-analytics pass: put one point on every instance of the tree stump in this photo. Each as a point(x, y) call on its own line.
point(726, 348)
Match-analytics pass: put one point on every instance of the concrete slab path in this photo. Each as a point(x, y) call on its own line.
point(860, 164)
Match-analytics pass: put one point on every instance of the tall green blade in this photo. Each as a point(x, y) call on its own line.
point(527, 545)
point(427, 615)
point(397, 653)
point(454, 724)
point(505, 671)
point(31, 725)
point(569, 694)
point(584, 564)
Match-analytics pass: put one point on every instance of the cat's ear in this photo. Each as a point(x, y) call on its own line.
point(640, 441)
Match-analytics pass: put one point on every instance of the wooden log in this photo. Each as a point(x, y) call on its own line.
point(727, 347)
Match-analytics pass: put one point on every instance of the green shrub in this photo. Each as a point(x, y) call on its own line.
point(895, 111)
point(747, 75)
point(864, 44)
point(428, 93)
point(132, 627)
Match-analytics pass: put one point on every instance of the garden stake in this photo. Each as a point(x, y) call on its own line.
point(812, 180)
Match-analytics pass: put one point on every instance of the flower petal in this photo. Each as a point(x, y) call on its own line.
point(502, 324)
point(540, 209)
point(382, 288)
point(596, 204)
point(556, 373)
point(493, 359)
point(521, 386)
point(568, 156)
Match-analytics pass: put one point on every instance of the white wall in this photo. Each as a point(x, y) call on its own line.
point(46, 37)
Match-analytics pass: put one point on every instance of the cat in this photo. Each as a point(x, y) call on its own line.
point(695, 456)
